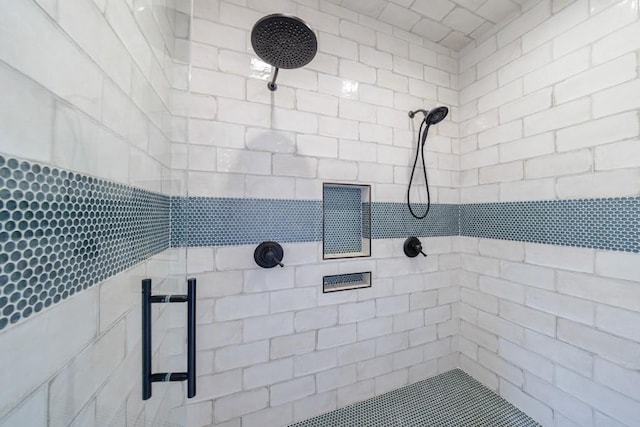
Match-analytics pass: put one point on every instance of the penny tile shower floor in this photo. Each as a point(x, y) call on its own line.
point(450, 399)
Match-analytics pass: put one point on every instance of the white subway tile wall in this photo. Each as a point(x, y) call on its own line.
point(543, 106)
point(87, 86)
point(537, 321)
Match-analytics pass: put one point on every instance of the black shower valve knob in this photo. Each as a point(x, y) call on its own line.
point(268, 255)
point(413, 247)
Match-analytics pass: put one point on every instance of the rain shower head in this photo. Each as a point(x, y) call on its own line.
point(283, 41)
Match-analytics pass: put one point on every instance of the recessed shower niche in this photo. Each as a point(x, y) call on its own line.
point(346, 221)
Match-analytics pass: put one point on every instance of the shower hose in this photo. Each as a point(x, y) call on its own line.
point(422, 138)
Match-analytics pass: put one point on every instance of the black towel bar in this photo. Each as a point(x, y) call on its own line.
point(190, 376)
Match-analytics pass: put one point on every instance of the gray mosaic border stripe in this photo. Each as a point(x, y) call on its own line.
point(208, 221)
point(393, 220)
point(62, 232)
point(607, 224)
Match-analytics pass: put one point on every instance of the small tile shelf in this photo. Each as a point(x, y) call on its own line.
point(343, 282)
point(346, 221)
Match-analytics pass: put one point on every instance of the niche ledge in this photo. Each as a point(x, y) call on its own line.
point(343, 282)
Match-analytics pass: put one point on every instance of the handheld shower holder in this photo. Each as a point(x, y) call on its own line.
point(412, 114)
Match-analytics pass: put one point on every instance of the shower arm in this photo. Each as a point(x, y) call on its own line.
point(272, 84)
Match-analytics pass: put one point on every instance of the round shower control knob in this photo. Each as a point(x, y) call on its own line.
point(268, 255)
point(413, 247)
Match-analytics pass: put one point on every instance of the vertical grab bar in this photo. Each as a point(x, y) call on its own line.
point(190, 376)
point(191, 338)
point(146, 339)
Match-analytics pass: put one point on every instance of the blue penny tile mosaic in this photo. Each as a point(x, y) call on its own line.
point(62, 232)
point(343, 219)
point(452, 399)
point(366, 220)
point(343, 278)
point(393, 220)
point(607, 224)
point(227, 221)
point(346, 281)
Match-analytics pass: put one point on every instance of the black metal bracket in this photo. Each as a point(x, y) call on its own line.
point(413, 247)
point(190, 376)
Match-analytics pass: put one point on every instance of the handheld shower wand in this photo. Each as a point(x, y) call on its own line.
point(431, 117)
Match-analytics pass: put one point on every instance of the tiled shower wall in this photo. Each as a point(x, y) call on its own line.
point(549, 111)
point(273, 347)
point(85, 114)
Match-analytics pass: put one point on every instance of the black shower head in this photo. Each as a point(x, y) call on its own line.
point(283, 41)
point(431, 117)
point(436, 115)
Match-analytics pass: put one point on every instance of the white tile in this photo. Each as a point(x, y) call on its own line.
point(596, 78)
point(485, 85)
point(357, 33)
point(559, 352)
point(622, 265)
point(73, 382)
point(86, 25)
point(274, 325)
point(562, 306)
point(211, 82)
point(241, 306)
point(501, 367)
point(557, 71)
point(293, 345)
point(595, 28)
point(622, 323)
point(68, 72)
point(621, 351)
point(31, 412)
point(500, 96)
point(616, 99)
point(292, 390)
point(480, 52)
point(375, 58)
point(608, 401)
point(267, 373)
point(294, 299)
point(314, 405)
point(617, 156)
point(222, 36)
point(623, 182)
point(239, 404)
point(335, 45)
point(597, 132)
point(525, 64)
point(558, 117)
point(616, 377)
point(337, 169)
point(502, 289)
point(617, 43)
point(525, 22)
point(559, 164)
point(237, 356)
point(246, 113)
point(280, 415)
point(25, 135)
point(534, 408)
point(268, 140)
point(315, 361)
point(556, 25)
point(560, 401)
